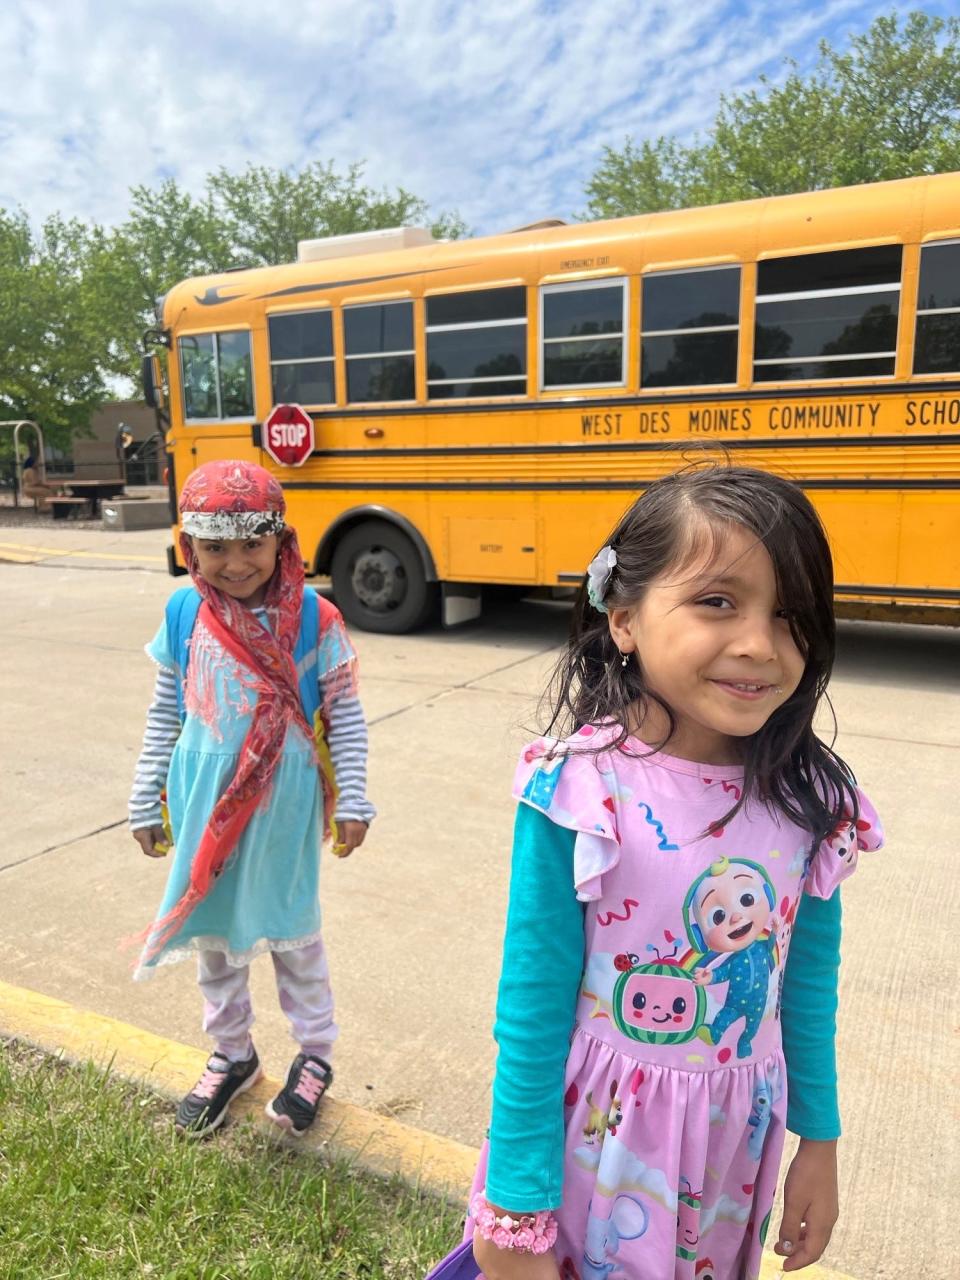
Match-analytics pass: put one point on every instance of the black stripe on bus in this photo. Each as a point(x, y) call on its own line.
point(342, 284)
point(650, 400)
point(577, 486)
point(914, 593)
point(623, 446)
point(212, 298)
point(630, 446)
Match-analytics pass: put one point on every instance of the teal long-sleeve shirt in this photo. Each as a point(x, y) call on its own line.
point(543, 959)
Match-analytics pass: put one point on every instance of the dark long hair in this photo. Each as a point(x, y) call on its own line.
point(786, 765)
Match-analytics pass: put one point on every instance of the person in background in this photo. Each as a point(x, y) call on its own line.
point(33, 485)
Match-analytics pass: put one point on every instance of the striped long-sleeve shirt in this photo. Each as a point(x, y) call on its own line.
point(347, 739)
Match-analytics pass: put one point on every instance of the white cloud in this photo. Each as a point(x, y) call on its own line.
point(620, 1170)
point(498, 108)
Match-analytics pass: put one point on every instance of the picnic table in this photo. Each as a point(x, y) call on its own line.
point(62, 506)
point(92, 490)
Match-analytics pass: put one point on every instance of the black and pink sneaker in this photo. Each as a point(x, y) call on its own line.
point(295, 1106)
point(205, 1107)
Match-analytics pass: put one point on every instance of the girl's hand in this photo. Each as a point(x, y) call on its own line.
point(352, 835)
point(505, 1264)
point(153, 841)
point(810, 1204)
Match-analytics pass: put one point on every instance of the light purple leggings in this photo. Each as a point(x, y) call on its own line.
point(303, 985)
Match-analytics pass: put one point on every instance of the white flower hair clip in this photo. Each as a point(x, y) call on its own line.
point(598, 576)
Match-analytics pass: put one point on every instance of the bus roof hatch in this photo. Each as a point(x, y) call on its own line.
point(363, 242)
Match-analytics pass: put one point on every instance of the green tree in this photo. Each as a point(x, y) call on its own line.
point(247, 219)
point(52, 346)
point(264, 212)
point(167, 236)
point(643, 178)
point(888, 107)
point(900, 98)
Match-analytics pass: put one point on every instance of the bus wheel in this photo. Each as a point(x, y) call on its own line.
point(378, 580)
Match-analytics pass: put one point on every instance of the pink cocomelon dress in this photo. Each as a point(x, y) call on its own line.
point(675, 1099)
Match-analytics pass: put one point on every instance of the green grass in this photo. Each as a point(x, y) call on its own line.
point(95, 1183)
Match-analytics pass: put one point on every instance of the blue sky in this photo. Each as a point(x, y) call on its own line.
point(497, 108)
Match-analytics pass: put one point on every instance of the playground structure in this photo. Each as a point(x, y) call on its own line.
point(97, 484)
point(62, 494)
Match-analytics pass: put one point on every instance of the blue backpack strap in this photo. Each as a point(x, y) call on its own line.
point(181, 615)
point(305, 654)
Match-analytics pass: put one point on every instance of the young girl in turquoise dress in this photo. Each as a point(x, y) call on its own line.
point(681, 833)
point(257, 736)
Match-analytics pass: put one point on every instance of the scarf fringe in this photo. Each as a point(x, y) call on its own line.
point(155, 937)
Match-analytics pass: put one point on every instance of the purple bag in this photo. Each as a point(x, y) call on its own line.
point(458, 1265)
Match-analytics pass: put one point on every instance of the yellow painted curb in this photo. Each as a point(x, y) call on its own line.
point(378, 1143)
point(382, 1145)
point(16, 557)
point(15, 550)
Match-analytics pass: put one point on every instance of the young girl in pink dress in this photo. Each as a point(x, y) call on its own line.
point(682, 833)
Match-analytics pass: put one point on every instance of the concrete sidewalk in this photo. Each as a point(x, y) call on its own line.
point(414, 920)
point(140, 548)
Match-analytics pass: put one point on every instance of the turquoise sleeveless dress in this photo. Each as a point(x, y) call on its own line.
point(267, 896)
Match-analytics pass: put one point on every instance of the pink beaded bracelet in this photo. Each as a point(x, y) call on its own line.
point(530, 1233)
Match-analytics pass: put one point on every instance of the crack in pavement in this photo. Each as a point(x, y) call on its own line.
point(464, 684)
point(517, 662)
point(54, 562)
point(906, 742)
point(72, 644)
point(64, 844)
point(389, 715)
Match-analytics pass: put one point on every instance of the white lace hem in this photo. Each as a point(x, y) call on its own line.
point(157, 663)
point(209, 942)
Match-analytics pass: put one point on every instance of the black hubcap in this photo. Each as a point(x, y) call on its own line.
point(378, 579)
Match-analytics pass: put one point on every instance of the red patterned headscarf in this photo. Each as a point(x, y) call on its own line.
point(224, 500)
point(231, 500)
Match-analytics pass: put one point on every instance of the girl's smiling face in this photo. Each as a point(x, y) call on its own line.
point(714, 643)
point(239, 567)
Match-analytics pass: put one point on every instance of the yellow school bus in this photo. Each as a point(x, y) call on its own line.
point(484, 409)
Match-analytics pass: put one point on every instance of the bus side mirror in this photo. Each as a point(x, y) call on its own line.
point(152, 382)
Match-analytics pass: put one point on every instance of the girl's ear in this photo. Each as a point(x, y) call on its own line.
point(618, 621)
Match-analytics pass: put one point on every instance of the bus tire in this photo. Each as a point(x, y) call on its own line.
point(379, 582)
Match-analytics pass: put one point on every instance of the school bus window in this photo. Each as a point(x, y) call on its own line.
point(828, 315)
point(301, 358)
point(690, 327)
point(217, 376)
point(582, 331)
point(379, 351)
point(937, 348)
point(477, 343)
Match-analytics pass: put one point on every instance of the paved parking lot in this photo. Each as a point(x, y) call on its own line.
point(413, 921)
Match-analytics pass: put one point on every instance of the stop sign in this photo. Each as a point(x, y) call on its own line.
point(288, 435)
